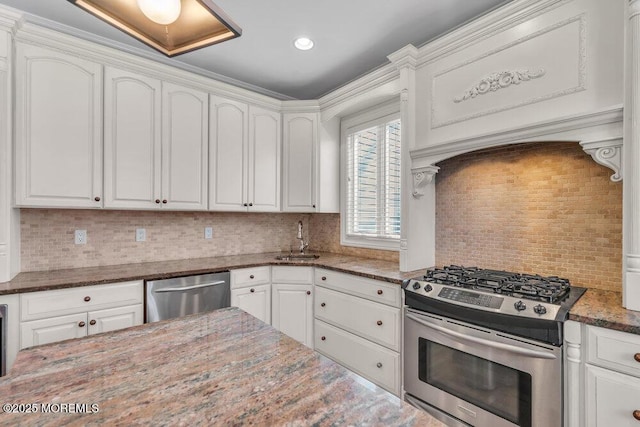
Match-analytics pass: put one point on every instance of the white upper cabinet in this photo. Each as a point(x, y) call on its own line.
point(58, 129)
point(244, 157)
point(264, 160)
point(185, 146)
point(228, 170)
point(155, 143)
point(299, 169)
point(132, 140)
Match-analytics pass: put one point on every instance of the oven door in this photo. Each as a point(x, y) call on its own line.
point(479, 376)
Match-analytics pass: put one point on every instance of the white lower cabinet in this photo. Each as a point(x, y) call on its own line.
point(251, 291)
point(53, 316)
point(603, 380)
point(358, 324)
point(255, 300)
point(45, 331)
point(292, 302)
point(611, 398)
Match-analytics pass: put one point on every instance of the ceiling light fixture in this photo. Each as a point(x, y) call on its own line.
point(172, 27)
point(303, 43)
point(163, 12)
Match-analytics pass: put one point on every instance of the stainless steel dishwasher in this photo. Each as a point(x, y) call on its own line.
point(180, 296)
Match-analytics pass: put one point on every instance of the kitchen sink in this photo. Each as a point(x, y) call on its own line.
point(297, 257)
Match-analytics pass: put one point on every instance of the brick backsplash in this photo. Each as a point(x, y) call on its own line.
point(543, 208)
point(47, 236)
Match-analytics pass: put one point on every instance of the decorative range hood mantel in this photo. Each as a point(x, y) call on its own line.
point(600, 134)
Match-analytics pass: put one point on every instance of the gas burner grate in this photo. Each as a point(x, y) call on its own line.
point(550, 289)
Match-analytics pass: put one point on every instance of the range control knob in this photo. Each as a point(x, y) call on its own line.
point(416, 286)
point(539, 309)
point(428, 288)
point(520, 306)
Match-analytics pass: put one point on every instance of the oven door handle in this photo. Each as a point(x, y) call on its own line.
point(488, 343)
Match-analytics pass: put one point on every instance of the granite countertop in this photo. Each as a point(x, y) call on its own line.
point(220, 368)
point(604, 309)
point(58, 279)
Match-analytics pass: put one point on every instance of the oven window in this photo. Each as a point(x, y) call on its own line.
point(499, 389)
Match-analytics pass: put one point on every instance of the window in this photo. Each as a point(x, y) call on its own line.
point(371, 210)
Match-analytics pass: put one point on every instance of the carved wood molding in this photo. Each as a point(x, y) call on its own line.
point(421, 177)
point(500, 80)
point(607, 152)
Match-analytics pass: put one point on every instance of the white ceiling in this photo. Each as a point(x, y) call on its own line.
point(351, 37)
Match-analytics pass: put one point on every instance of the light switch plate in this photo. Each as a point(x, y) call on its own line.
point(81, 237)
point(208, 232)
point(141, 234)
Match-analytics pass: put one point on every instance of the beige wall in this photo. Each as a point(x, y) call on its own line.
point(543, 208)
point(47, 236)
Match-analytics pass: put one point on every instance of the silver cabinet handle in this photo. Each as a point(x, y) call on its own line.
point(188, 288)
point(500, 346)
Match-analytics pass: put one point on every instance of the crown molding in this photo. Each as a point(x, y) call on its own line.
point(485, 26)
point(310, 106)
point(9, 17)
point(34, 29)
point(374, 87)
point(405, 57)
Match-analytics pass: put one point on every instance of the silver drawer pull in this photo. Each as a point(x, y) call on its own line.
point(188, 288)
point(379, 365)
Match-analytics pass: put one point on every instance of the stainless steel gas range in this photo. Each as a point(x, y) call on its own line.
point(484, 347)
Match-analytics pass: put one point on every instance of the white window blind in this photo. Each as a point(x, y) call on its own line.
point(373, 181)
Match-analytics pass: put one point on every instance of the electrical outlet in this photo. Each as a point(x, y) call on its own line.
point(208, 232)
point(141, 234)
point(81, 237)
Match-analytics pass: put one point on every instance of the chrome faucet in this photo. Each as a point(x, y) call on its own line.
point(299, 236)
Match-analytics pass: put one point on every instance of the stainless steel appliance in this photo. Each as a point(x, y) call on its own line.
point(3, 339)
point(180, 296)
point(484, 347)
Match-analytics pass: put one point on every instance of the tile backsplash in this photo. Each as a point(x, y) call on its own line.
point(543, 208)
point(47, 236)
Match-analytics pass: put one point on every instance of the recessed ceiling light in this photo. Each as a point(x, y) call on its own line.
point(303, 43)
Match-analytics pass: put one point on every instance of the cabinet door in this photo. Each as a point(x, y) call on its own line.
point(228, 155)
point(292, 311)
point(611, 398)
point(300, 141)
point(255, 300)
point(58, 129)
point(264, 160)
point(132, 140)
point(185, 134)
point(53, 329)
point(114, 319)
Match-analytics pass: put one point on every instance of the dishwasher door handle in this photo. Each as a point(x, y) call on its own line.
point(188, 288)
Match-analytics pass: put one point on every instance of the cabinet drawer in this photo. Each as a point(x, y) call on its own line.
point(38, 305)
point(377, 364)
point(374, 290)
point(376, 322)
point(250, 276)
point(614, 350)
point(302, 275)
point(611, 398)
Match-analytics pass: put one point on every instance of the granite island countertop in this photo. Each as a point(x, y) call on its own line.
point(58, 279)
point(220, 368)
